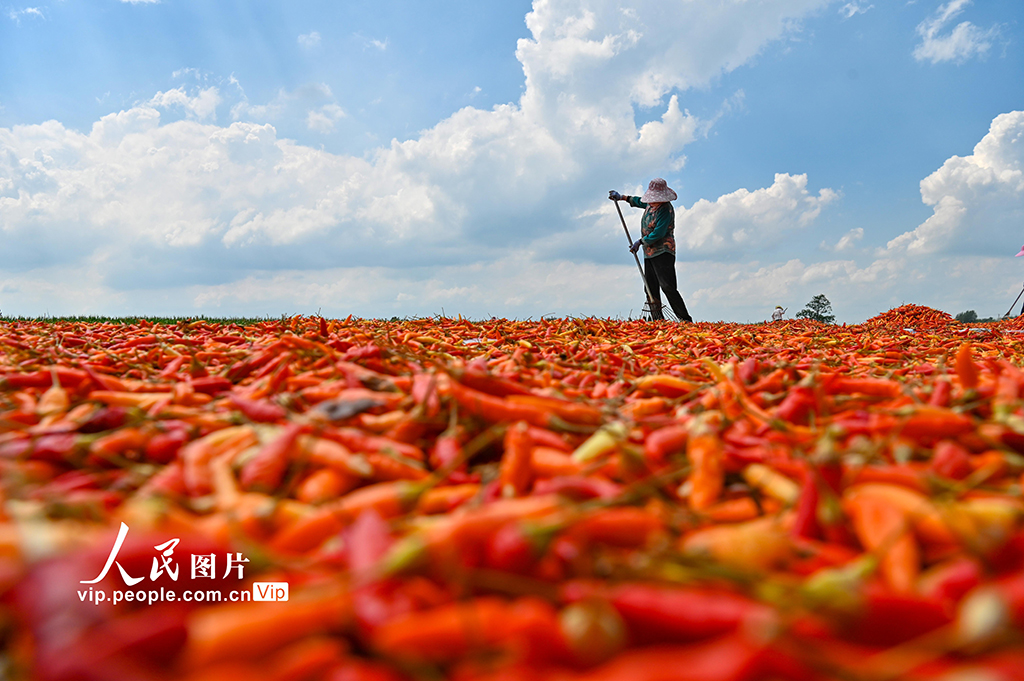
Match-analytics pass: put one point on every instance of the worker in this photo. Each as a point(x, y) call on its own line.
point(657, 237)
point(777, 313)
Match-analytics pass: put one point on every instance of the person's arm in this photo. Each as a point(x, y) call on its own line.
point(634, 201)
point(663, 219)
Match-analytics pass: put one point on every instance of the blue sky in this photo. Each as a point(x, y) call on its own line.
point(402, 158)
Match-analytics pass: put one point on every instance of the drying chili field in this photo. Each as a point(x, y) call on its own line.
point(570, 499)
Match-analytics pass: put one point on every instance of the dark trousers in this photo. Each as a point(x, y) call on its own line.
point(660, 272)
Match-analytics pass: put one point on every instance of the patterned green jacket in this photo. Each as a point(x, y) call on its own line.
point(657, 227)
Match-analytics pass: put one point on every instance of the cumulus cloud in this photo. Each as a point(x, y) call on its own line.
point(151, 202)
point(309, 40)
point(977, 200)
point(963, 41)
point(202, 105)
point(746, 220)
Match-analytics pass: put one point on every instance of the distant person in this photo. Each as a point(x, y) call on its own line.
point(778, 313)
point(657, 236)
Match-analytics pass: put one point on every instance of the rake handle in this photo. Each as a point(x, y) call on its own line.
point(643, 277)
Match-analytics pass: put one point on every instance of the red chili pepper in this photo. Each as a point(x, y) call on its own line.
point(888, 618)
point(261, 411)
point(56, 448)
point(805, 524)
point(662, 614)
point(941, 392)
point(578, 487)
point(212, 385)
point(496, 409)
point(163, 447)
point(950, 460)
point(361, 442)
point(797, 405)
point(477, 377)
point(665, 442)
point(264, 471)
point(447, 449)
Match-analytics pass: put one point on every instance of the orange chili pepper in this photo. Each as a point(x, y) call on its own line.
point(516, 472)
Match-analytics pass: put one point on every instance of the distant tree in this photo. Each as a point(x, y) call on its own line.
point(818, 309)
point(968, 317)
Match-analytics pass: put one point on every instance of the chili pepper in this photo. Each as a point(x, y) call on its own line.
point(664, 442)
point(244, 630)
point(797, 405)
point(359, 442)
point(885, 529)
point(258, 410)
point(933, 422)
point(447, 450)
point(547, 438)
point(704, 450)
point(623, 526)
point(950, 460)
point(940, 394)
point(264, 471)
point(966, 369)
point(761, 544)
point(805, 523)
point(729, 658)
point(163, 447)
point(665, 384)
point(446, 499)
point(324, 485)
point(515, 474)
point(654, 613)
point(212, 385)
point(451, 631)
point(477, 377)
point(105, 418)
point(496, 409)
point(547, 463)
point(578, 487)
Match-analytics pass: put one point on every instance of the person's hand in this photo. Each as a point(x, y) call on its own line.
point(614, 195)
point(636, 246)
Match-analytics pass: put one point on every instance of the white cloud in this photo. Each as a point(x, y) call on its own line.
point(141, 2)
point(202, 105)
point(847, 241)
point(324, 118)
point(961, 43)
point(746, 220)
point(309, 40)
point(851, 9)
point(16, 14)
point(215, 212)
point(977, 200)
point(375, 43)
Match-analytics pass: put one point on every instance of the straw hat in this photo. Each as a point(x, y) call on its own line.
point(658, 192)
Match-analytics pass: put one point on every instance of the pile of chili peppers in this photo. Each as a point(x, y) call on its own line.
point(564, 499)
